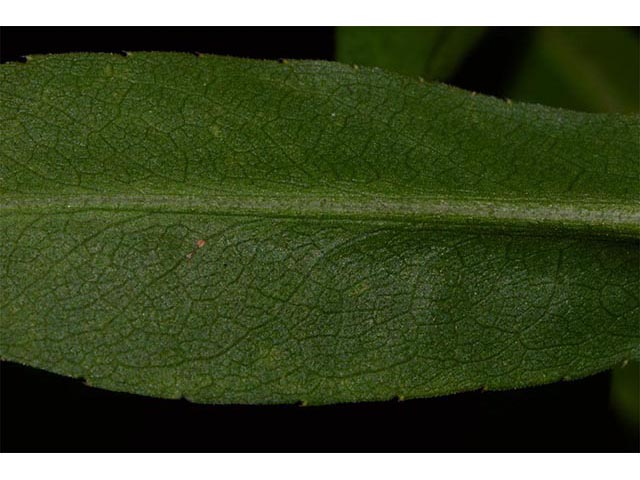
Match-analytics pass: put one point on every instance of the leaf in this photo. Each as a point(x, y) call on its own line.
point(432, 52)
point(625, 383)
point(241, 231)
point(593, 69)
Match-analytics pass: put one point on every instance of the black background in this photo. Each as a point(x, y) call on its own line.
point(40, 411)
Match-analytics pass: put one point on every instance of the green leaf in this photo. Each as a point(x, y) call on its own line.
point(248, 231)
point(597, 69)
point(430, 52)
point(593, 69)
point(625, 383)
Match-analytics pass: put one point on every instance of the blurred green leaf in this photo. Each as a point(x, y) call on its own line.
point(434, 53)
point(625, 388)
point(592, 69)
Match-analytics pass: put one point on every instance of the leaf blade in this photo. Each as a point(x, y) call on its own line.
point(359, 299)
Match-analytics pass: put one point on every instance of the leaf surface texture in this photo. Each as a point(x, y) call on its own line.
point(240, 231)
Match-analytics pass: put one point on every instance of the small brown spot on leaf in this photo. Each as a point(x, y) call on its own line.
point(199, 244)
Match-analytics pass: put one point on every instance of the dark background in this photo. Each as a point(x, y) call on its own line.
point(40, 411)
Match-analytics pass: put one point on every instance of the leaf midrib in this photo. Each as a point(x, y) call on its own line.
point(585, 216)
